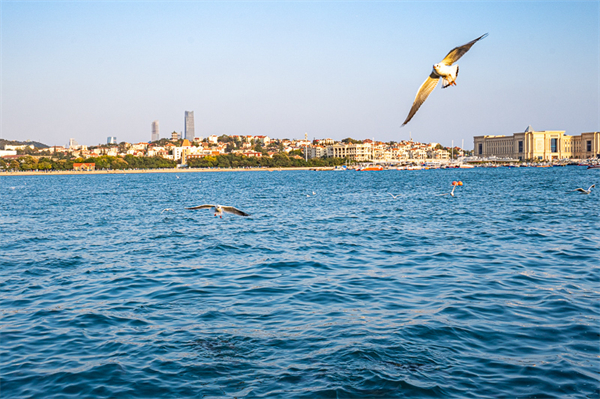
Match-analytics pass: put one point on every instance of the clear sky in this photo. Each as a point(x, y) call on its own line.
point(335, 69)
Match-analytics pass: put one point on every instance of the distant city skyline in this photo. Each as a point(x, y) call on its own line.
point(332, 69)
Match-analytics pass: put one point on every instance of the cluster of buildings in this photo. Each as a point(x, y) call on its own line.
point(531, 145)
point(246, 145)
point(379, 152)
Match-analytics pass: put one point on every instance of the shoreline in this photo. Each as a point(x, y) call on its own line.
point(132, 171)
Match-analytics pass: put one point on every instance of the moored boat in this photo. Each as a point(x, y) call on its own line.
point(371, 168)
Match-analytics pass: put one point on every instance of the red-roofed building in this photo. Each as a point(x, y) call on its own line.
point(84, 166)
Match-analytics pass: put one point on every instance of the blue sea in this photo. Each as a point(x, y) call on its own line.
point(344, 293)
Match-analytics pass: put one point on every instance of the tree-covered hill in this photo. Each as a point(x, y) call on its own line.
point(36, 144)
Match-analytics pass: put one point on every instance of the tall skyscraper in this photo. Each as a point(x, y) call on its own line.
point(73, 144)
point(111, 140)
point(189, 125)
point(155, 133)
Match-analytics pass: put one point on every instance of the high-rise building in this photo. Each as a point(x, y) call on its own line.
point(73, 144)
point(189, 125)
point(111, 140)
point(155, 133)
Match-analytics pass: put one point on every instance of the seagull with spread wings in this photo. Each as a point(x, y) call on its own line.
point(444, 70)
point(220, 209)
point(581, 190)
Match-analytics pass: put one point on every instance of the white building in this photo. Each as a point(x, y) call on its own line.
point(316, 151)
point(4, 153)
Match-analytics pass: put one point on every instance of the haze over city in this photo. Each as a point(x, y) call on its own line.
point(89, 70)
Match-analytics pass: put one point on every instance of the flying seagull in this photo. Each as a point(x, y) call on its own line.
point(394, 196)
point(220, 209)
point(443, 70)
point(168, 210)
point(581, 190)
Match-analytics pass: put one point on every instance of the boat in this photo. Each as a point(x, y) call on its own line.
point(371, 168)
point(593, 167)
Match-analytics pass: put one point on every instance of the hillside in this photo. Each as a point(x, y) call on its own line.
point(36, 144)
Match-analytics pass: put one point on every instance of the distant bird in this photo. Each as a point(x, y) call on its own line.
point(167, 210)
point(177, 176)
point(581, 190)
point(220, 209)
point(394, 196)
point(443, 70)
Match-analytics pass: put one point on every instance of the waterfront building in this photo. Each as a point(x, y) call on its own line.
point(84, 166)
point(189, 125)
point(544, 145)
point(357, 152)
point(155, 131)
point(316, 151)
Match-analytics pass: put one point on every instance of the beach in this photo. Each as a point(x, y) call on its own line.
point(134, 171)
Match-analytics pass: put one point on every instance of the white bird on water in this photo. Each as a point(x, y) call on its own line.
point(451, 193)
point(581, 190)
point(444, 70)
point(220, 209)
point(454, 185)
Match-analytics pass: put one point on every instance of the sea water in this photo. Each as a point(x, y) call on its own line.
point(347, 292)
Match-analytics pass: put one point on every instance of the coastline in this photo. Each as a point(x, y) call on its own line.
point(127, 171)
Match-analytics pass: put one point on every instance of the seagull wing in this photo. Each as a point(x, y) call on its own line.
point(230, 209)
point(424, 92)
point(206, 206)
point(592, 186)
point(458, 52)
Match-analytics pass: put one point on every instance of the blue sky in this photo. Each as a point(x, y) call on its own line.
point(336, 69)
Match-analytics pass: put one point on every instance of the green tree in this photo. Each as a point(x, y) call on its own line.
point(44, 165)
point(349, 140)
